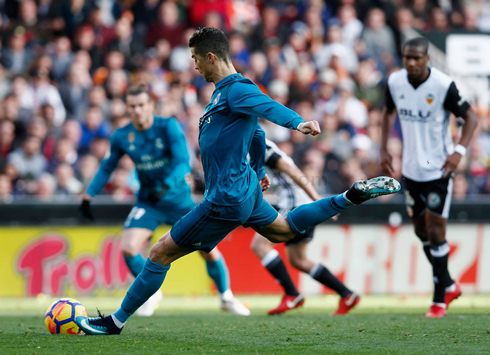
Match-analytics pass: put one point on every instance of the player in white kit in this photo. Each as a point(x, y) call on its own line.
point(292, 188)
point(424, 98)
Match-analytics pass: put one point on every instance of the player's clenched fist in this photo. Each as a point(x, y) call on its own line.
point(310, 127)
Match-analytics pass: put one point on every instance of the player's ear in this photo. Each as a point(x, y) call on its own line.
point(210, 57)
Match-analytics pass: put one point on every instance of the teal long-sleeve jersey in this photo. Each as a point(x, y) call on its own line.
point(229, 130)
point(160, 156)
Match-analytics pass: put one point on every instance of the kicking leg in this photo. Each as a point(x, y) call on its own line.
point(149, 281)
point(311, 214)
point(270, 259)
point(299, 260)
point(218, 271)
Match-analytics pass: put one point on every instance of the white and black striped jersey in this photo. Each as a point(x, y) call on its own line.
point(289, 195)
point(424, 116)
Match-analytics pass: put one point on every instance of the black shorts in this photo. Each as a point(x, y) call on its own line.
point(306, 237)
point(435, 195)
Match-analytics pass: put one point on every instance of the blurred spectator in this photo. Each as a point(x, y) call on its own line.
point(66, 182)
point(5, 189)
point(460, 187)
point(72, 130)
point(118, 187)
point(88, 166)
point(168, 25)
point(350, 108)
point(46, 93)
point(351, 26)
point(99, 147)
point(65, 152)
point(336, 47)
point(5, 83)
point(62, 58)
point(129, 45)
point(270, 28)
point(7, 138)
point(93, 127)
point(27, 162)
point(379, 38)
point(16, 57)
point(74, 91)
point(45, 187)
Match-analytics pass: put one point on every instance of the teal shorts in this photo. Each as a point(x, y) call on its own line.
point(207, 224)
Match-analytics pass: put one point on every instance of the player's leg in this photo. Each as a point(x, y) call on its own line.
point(297, 254)
point(149, 280)
point(197, 229)
point(218, 271)
point(272, 261)
point(308, 215)
point(132, 242)
point(143, 219)
point(138, 228)
point(438, 198)
point(415, 201)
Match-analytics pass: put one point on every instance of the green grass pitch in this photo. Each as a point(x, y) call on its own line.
point(194, 325)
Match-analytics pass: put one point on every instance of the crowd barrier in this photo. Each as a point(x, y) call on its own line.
point(376, 258)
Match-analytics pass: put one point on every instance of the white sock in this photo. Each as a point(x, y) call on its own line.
point(451, 288)
point(348, 201)
point(226, 296)
point(269, 257)
point(443, 305)
point(117, 321)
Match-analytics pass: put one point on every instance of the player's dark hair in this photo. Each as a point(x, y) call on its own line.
point(137, 90)
point(418, 42)
point(210, 39)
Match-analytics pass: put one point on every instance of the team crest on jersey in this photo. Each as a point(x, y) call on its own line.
point(216, 100)
point(159, 143)
point(131, 138)
point(429, 98)
point(433, 200)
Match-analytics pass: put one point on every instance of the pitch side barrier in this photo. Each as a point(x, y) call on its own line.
point(32, 212)
point(46, 249)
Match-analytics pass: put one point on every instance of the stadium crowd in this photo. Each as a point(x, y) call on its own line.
point(65, 66)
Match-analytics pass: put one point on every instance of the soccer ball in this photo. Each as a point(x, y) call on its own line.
point(60, 316)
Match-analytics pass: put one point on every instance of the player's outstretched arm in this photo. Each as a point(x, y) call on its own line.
point(246, 98)
point(298, 177)
point(106, 168)
point(389, 115)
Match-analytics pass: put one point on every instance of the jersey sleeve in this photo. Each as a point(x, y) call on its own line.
point(180, 154)
point(271, 157)
point(246, 98)
point(257, 152)
point(390, 104)
point(454, 102)
point(106, 168)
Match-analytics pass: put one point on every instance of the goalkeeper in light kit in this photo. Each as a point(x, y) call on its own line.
point(228, 133)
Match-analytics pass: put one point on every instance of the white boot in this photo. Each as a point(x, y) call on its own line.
point(148, 308)
point(230, 304)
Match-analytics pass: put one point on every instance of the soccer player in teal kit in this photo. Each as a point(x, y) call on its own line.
point(229, 131)
point(158, 148)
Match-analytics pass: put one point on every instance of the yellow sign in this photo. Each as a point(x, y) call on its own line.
point(73, 261)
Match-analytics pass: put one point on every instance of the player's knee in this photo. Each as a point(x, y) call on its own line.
point(436, 234)
point(259, 245)
point(298, 263)
point(130, 248)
